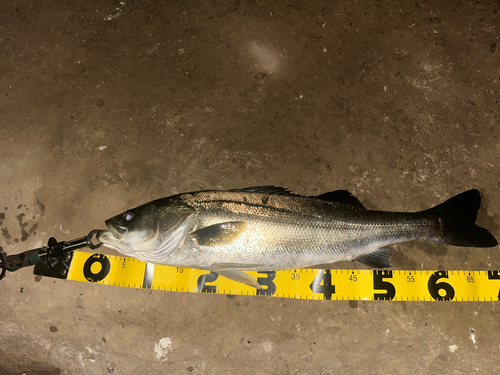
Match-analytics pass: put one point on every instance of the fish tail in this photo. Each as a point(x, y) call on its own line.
point(458, 221)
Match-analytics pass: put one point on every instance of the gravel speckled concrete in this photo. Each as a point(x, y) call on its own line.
point(107, 105)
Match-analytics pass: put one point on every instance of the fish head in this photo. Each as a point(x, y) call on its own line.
point(146, 228)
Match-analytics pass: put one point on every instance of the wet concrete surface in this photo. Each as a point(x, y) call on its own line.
point(108, 105)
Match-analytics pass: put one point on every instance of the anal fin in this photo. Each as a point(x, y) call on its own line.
point(380, 258)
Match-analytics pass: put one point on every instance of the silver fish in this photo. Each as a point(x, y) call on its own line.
point(268, 228)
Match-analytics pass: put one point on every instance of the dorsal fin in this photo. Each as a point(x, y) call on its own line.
point(341, 196)
point(275, 190)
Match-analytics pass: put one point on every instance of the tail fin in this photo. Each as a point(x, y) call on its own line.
point(458, 216)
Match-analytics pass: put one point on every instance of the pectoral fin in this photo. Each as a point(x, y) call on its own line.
point(241, 277)
point(219, 234)
point(378, 259)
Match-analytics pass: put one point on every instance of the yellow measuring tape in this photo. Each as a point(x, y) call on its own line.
point(364, 284)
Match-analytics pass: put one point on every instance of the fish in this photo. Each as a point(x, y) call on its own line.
point(267, 228)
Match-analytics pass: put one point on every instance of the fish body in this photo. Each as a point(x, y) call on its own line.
point(268, 229)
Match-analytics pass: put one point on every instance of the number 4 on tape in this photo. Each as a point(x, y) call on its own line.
point(322, 283)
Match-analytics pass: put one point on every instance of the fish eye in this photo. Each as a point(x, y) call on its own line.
point(129, 215)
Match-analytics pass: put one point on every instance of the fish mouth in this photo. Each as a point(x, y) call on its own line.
point(110, 237)
point(102, 236)
point(117, 231)
point(106, 238)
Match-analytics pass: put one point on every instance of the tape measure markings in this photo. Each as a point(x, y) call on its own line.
point(335, 284)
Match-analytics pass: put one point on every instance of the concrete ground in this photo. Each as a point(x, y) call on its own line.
point(107, 105)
